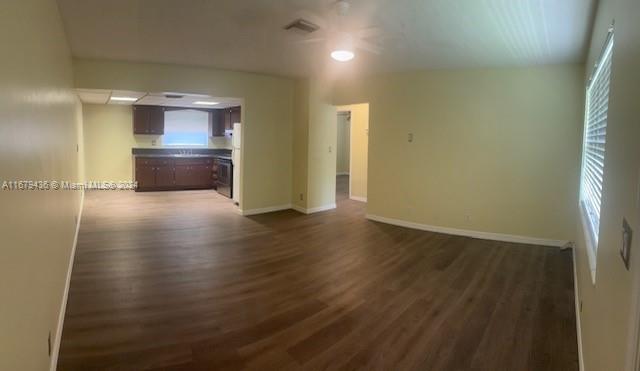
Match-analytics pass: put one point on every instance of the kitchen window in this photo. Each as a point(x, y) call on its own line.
point(186, 127)
point(593, 149)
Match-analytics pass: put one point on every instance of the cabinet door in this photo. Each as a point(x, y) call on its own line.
point(140, 120)
point(201, 175)
point(183, 177)
point(156, 120)
point(216, 123)
point(145, 176)
point(228, 124)
point(235, 116)
point(165, 176)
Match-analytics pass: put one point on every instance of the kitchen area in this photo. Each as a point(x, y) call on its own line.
point(174, 142)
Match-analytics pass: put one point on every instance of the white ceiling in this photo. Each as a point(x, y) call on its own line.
point(102, 96)
point(248, 35)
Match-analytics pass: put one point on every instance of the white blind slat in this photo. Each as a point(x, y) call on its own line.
point(595, 135)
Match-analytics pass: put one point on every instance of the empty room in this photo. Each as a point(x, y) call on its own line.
point(320, 184)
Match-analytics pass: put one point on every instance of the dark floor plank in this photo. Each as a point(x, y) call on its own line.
point(180, 281)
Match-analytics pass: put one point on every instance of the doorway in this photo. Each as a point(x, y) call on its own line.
point(352, 150)
point(343, 154)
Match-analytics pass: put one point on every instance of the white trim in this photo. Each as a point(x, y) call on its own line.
point(588, 240)
point(358, 198)
point(313, 209)
point(55, 349)
point(633, 339)
point(299, 209)
point(264, 210)
point(470, 233)
point(350, 150)
point(342, 173)
point(577, 306)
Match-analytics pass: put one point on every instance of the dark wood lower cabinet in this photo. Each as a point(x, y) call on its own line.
point(145, 176)
point(165, 176)
point(172, 174)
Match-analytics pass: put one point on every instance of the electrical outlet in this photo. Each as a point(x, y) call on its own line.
point(153, 142)
point(301, 197)
point(330, 149)
point(467, 218)
point(410, 137)
point(49, 343)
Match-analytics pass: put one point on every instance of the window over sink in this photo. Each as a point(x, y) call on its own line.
point(186, 127)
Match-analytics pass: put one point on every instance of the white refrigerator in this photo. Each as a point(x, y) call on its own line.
point(236, 140)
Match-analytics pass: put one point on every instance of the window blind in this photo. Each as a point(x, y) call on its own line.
point(595, 136)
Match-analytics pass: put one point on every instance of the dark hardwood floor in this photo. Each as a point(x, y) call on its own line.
point(180, 281)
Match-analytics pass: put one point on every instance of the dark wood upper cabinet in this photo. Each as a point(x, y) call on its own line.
point(156, 121)
point(227, 119)
point(231, 116)
point(148, 120)
point(216, 123)
point(223, 119)
point(235, 115)
point(140, 120)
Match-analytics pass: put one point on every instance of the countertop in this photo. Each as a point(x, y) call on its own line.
point(220, 153)
point(195, 155)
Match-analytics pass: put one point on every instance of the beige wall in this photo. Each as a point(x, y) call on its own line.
point(494, 150)
point(300, 160)
point(359, 148)
point(314, 147)
point(40, 126)
point(322, 136)
point(342, 145)
point(606, 306)
point(108, 138)
point(267, 115)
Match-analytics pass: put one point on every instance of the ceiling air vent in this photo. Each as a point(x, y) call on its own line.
point(173, 96)
point(302, 25)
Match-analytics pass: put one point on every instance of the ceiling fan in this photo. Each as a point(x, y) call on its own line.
point(335, 31)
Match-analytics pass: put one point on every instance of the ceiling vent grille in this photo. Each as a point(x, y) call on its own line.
point(302, 25)
point(174, 96)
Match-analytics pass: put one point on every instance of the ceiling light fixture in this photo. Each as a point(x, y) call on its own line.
point(342, 55)
point(206, 103)
point(124, 99)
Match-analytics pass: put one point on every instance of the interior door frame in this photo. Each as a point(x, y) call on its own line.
point(633, 341)
point(348, 108)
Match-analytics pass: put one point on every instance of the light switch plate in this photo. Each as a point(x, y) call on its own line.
point(625, 249)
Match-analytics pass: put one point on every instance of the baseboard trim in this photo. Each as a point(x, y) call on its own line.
point(577, 305)
point(65, 295)
point(265, 210)
point(469, 233)
point(356, 198)
point(313, 209)
point(299, 209)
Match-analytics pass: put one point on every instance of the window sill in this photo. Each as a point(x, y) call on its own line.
point(588, 240)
